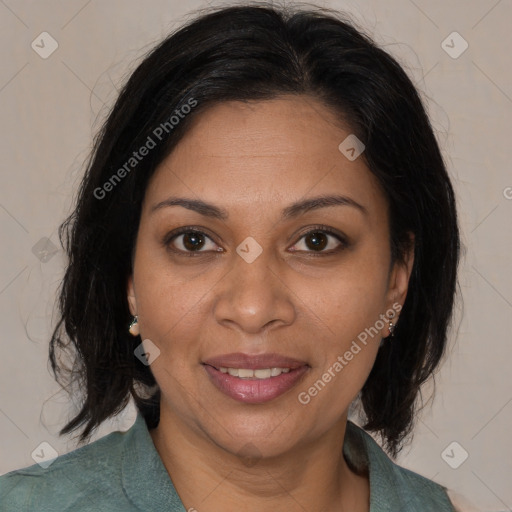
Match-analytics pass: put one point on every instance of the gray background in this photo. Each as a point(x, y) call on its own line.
point(50, 108)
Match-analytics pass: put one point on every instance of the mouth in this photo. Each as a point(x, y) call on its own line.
point(254, 379)
point(258, 374)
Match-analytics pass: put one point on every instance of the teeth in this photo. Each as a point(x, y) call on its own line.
point(261, 374)
point(246, 373)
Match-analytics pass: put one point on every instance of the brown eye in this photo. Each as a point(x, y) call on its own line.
point(193, 241)
point(322, 241)
point(316, 240)
point(189, 241)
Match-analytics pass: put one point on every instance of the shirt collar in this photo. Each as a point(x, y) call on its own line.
point(392, 488)
point(364, 454)
point(144, 477)
point(148, 485)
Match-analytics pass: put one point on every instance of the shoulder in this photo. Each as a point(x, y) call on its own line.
point(460, 503)
point(71, 482)
point(394, 488)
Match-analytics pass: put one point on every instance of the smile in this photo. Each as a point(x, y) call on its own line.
point(254, 386)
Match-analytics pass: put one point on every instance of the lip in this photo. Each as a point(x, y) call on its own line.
point(254, 362)
point(254, 391)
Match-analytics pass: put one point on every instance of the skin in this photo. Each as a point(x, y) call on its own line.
point(253, 160)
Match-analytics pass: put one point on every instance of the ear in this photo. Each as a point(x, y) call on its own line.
point(400, 275)
point(130, 290)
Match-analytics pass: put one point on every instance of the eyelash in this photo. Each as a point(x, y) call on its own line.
point(169, 238)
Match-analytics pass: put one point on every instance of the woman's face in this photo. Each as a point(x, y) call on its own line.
point(254, 282)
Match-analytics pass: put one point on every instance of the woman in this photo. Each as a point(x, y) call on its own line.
point(266, 234)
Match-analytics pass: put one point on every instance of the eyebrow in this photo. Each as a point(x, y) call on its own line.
point(292, 211)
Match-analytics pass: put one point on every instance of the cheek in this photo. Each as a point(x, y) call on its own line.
point(345, 355)
point(349, 298)
point(349, 304)
point(336, 385)
point(168, 304)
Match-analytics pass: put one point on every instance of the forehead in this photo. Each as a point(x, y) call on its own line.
point(271, 151)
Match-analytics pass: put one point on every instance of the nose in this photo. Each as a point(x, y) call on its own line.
point(254, 297)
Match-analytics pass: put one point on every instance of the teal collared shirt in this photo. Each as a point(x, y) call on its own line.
point(123, 472)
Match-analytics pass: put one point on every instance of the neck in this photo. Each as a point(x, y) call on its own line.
point(209, 478)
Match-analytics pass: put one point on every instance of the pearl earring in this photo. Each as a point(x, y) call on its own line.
point(134, 326)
